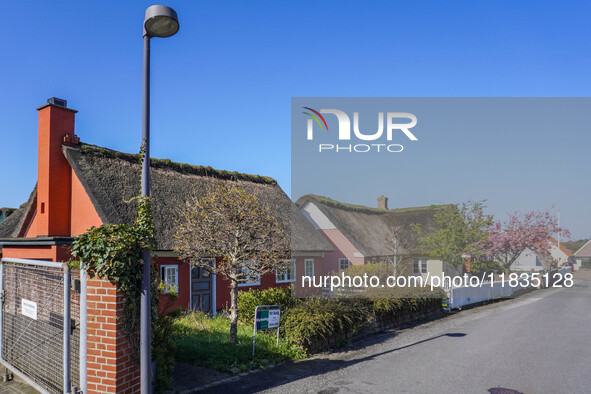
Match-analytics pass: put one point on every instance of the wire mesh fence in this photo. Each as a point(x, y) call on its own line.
point(33, 323)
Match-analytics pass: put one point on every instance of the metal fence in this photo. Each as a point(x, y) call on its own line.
point(40, 323)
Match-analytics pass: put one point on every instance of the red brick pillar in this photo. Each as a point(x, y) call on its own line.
point(111, 367)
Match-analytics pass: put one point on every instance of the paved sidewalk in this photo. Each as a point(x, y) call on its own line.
point(16, 386)
point(583, 274)
point(188, 377)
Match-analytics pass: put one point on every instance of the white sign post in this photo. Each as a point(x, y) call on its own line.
point(265, 318)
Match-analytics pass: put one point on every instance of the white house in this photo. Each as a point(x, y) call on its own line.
point(583, 256)
point(529, 260)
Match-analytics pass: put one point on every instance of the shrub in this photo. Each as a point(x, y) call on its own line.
point(163, 350)
point(249, 300)
point(390, 304)
point(381, 270)
point(316, 322)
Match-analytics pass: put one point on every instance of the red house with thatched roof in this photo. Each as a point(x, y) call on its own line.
point(80, 186)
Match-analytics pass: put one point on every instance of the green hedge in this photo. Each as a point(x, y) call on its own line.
point(249, 300)
point(320, 323)
point(316, 324)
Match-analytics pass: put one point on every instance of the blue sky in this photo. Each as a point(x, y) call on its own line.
point(221, 87)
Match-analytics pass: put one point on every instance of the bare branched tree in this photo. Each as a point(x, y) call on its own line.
point(397, 250)
point(237, 228)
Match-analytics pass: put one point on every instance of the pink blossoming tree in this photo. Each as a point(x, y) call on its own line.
point(507, 240)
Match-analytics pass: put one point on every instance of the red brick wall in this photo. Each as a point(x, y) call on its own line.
point(111, 367)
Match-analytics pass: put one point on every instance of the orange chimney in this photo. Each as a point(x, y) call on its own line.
point(56, 125)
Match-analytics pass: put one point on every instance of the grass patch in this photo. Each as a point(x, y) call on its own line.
point(203, 341)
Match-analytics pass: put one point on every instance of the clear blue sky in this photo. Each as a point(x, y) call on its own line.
point(221, 87)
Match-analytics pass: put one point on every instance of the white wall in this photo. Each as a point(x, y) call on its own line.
point(461, 296)
point(558, 255)
point(527, 261)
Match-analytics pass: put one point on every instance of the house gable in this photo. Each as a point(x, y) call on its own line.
point(585, 250)
point(369, 229)
point(83, 213)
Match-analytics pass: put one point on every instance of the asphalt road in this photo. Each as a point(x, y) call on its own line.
point(538, 343)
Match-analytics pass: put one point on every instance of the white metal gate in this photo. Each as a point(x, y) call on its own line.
point(40, 324)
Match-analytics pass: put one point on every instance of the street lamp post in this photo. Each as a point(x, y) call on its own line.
point(160, 21)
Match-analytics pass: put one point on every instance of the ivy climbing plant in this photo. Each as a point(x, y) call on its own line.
point(114, 252)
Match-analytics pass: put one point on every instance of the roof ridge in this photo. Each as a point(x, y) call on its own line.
point(168, 164)
point(362, 208)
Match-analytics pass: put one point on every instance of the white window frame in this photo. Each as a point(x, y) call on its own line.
point(283, 277)
point(249, 283)
point(309, 263)
point(164, 277)
point(420, 266)
point(344, 260)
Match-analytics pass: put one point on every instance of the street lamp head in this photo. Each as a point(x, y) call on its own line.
point(161, 21)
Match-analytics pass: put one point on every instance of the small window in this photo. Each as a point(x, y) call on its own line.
point(253, 280)
point(344, 264)
point(419, 266)
point(287, 275)
point(205, 273)
point(169, 275)
point(309, 267)
point(197, 271)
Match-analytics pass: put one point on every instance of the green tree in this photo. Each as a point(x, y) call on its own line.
point(462, 229)
point(240, 231)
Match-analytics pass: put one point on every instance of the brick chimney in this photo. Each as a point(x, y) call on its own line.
point(382, 202)
point(56, 126)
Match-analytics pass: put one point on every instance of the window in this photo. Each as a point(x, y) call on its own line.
point(287, 275)
point(252, 280)
point(208, 261)
point(197, 270)
point(419, 266)
point(344, 264)
point(309, 267)
point(169, 275)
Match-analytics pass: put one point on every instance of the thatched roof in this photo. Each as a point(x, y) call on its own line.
point(111, 179)
point(13, 225)
point(8, 225)
point(370, 230)
point(6, 212)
